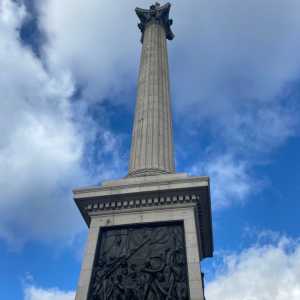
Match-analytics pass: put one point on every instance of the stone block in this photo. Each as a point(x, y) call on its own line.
point(194, 272)
point(191, 240)
point(189, 225)
point(196, 290)
point(124, 218)
point(192, 254)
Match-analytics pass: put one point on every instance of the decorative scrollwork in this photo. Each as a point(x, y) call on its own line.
point(147, 262)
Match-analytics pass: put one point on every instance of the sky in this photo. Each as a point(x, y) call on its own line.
point(68, 75)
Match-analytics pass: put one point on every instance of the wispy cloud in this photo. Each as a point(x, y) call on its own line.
point(232, 67)
point(230, 179)
point(43, 146)
point(230, 70)
point(268, 270)
point(36, 293)
point(265, 271)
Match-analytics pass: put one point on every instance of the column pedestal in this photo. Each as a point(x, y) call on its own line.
point(146, 201)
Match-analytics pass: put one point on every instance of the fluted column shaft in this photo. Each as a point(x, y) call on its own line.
point(152, 141)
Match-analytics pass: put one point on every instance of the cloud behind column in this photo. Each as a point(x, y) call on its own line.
point(267, 271)
point(233, 68)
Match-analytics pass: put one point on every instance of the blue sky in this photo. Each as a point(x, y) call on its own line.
point(68, 73)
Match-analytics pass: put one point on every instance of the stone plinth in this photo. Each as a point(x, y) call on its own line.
point(149, 200)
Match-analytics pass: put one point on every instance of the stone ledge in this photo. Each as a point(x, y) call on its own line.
point(142, 184)
point(151, 193)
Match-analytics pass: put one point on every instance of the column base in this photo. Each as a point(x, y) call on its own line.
point(146, 202)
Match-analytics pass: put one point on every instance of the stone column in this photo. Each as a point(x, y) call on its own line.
point(173, 210)
point(152, 140)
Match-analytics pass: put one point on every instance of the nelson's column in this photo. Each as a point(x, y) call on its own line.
point(149, 231)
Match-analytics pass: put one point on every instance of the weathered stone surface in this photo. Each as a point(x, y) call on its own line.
point(156, 14)
point(152, 193)
point(152, 137)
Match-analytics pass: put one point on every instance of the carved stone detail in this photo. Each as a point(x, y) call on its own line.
point(158, 14)
point(118, 204)
point(145, 262)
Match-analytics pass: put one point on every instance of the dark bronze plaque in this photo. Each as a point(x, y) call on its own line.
point(146, 262)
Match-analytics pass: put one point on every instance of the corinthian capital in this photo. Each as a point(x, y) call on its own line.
point(158, 14)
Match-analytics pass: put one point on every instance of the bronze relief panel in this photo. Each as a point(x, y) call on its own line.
point(145, 262)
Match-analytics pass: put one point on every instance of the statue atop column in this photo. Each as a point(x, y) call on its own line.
point(156, 13)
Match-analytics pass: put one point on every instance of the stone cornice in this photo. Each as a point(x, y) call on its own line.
point(147, 172)
point(175, 192)
point(142, 184)
point(123, 203)
point(158, 14)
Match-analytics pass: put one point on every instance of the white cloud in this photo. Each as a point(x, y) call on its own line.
point(34, 293)
point(229, 65)
point(230, 179)
point(44, 139)
point(40, 148)
point(269, 270)
point(230, 61)
point(93, 40)
point(262, 272)
point(237, 58)
point(103, 157)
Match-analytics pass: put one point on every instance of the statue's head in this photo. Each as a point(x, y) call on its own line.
point(155, 6)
